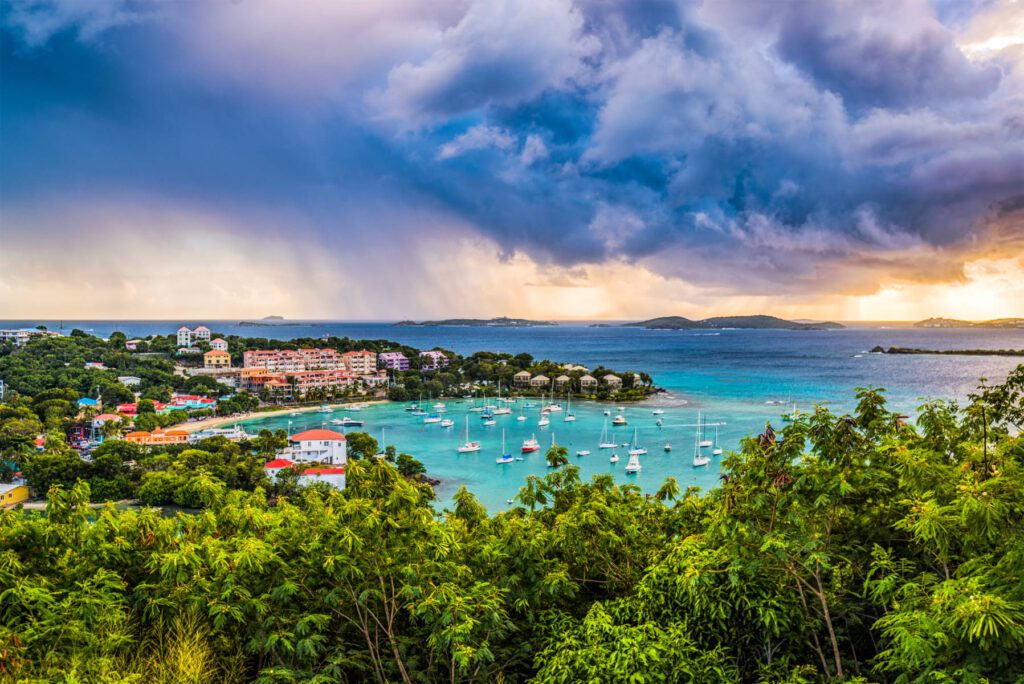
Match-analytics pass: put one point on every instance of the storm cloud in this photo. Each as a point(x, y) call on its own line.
point(794, 143)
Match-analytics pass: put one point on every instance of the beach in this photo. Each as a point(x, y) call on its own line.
point(221, 421)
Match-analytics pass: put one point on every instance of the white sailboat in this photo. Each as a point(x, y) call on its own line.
point(699, 459)
point(505, 456)
point(468, 446)
point(521, 417)
point(383, 451)
point(606, 442)
point(543, 420)
point(500, 410)
point(636, 449)
point(704, 441)
point(447, 423)
point(716, 450)
point(569, 415)
point(633, 466)
point(614, 458)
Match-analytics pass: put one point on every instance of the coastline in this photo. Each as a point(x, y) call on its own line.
point(220, 421)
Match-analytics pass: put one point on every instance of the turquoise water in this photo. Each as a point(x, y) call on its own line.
point(728, 375)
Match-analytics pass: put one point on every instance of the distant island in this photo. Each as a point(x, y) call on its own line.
point(267, 321)
point(951, 352)
point(502, 322)
point(1001, 323)
point(720, 322)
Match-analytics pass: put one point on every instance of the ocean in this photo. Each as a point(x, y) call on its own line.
point(727, 376)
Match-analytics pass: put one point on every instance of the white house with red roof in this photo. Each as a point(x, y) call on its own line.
point(332, 475)
point(317, 446)
point(188, 338)
point(219, 344)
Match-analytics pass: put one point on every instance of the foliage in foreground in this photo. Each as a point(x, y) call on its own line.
point(853, 548)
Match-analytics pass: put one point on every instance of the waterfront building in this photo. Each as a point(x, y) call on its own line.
point(613, 381)
point(361, 362)
point(540, 381)
point(396, 361)
point(521, 378)
point(433, 360)
point(189, 351)
point(216, 358)
point(21, 336)
point(562, 381)
point(588, 382)
point(234, 434)
point(157, 436)
point(317, 446)
point(292, 385)
point(219, 344)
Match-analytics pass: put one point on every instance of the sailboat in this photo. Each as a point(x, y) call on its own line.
point(505, 456)
point(788, 417)
point(614, 458)
point(633, 466)
point(699, 459)
point(521, 417)
point(543, 420)
point(530, 445)
point(606, 442)
point(432, 418)
point(383, 450)
point(468, 446)
point(716, 450)
point(704, 442)
point(636, 449)
point(501, 410)
point(569, 415)
point(447, 423)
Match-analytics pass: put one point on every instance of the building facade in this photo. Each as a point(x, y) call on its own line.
point(396, 361)
point(157, 436)
point(326, 447)
point(361, 362)
point(291, 360)
point(188, 337)
point(216, 358)
point(219, 344)
point(433, 360)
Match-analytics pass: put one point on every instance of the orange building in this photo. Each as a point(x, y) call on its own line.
point(157, 436)
point(217, 359)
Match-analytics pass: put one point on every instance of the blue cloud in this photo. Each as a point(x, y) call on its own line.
point(818, 141)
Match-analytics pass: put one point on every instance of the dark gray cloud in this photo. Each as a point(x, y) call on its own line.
point(787, 144)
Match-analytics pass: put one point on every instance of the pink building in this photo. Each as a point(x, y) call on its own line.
point(394, 361)
point(289, 360)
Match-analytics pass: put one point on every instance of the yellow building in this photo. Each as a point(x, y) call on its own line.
point(217, 359)
point(13, 494)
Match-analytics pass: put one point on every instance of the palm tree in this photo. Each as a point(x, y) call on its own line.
point(557, 456)
point(669, 490)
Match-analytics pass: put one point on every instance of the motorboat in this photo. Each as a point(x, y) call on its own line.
point(530, 445)
point(433, 418)
point(350, 422)
point(447, 423)
point(614, 458)
point(324, 408)
point(658, 412)
point(668, 447)
point(490, 422)
point(619, 419)
point(583, 452)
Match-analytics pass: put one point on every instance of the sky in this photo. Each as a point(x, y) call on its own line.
point(820, 159)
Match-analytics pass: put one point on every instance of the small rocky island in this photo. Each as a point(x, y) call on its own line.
point(952, 352)
point(760, 322)
point(501, 322)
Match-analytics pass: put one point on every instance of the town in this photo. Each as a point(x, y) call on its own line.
point(82, 397)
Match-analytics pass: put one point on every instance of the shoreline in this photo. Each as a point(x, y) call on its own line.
point(219, 421)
